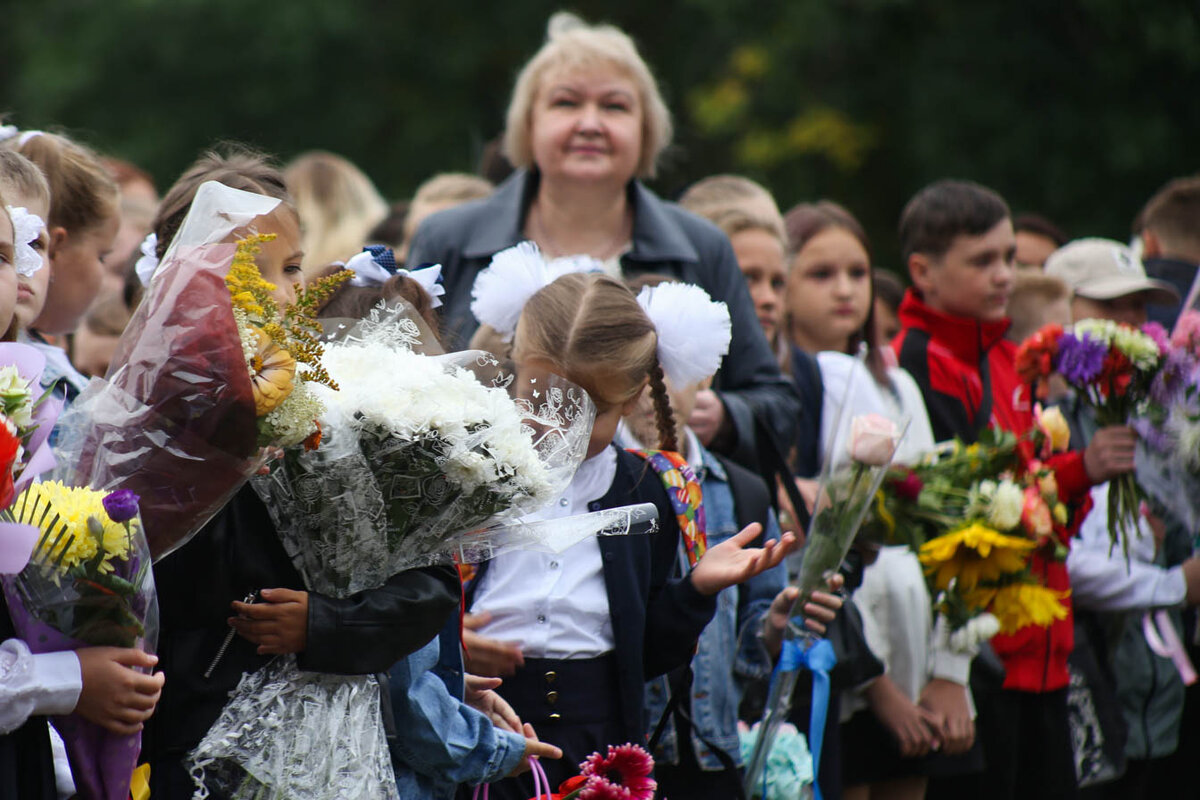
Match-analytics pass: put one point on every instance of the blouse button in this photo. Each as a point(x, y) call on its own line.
point(541, 619)
point(564, 502)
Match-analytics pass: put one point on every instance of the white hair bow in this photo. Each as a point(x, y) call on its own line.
point(373, 266)
point(148, 263)
point(8, 132)
point(693, 331)
point(515, 275)
point(26, 230)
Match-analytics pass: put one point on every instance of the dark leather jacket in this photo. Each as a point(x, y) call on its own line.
point(666, 240)
point(236, 553)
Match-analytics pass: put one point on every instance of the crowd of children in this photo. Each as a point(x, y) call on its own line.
point(554, 657)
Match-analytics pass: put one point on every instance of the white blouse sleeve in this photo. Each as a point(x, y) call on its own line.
point(48, 683)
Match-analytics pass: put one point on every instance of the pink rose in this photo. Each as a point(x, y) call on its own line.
point(873, 440)
point(1035, 515)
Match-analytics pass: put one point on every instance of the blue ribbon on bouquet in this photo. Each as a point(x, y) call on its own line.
point(818, 658)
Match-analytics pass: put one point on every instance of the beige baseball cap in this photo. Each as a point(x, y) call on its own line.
point(1104, 269)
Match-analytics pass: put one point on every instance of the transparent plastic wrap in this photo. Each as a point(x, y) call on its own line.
point(288, 734)
point(87, 584)
point(175, 419)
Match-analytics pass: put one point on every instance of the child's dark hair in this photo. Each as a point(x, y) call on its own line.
point(803, 222)
point(1040, 226)
point(887, 287)
point(590, 327)
point(355, 302)
point(82, 193)
point(231, 165)
point(942, 211)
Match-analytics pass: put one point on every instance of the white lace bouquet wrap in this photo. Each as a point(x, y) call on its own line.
point(420, 453)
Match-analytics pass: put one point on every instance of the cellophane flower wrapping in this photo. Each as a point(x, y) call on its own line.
point(174, 419)
point(417, 451)
point(88, 584)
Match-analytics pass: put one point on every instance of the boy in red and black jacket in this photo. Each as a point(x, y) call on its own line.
point(958, 243)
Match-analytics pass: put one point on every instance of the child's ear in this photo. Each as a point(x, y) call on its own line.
point(920, 269)
point(58, 238)
point(1151, 246)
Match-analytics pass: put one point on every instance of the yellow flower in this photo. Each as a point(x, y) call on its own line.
point(1052, 423)
point(1022, 604)
point(973, 554)
point(273, 373)
point(74, 524)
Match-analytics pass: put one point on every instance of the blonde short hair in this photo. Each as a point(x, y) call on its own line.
point(443, 191)
point(735, 204)
point(573, 45)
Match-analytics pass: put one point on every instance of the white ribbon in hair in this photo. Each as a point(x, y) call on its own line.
point(515, 275)
point(369, 272)
point(148, 263)
point(8, 132)
point(26, 136)
point(26, 230)
point(693, 331)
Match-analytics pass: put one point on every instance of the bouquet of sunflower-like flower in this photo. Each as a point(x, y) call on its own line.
point(1111, 367)
point(210, 370)
point(975, 515)
point(87, 583)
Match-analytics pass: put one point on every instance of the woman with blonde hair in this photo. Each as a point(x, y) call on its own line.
point(338, 205)
point(586, 124)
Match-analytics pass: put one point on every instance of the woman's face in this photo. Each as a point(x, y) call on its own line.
point(76, 270)
point(587, 127)
point(829, 289)
point(760, 258)
point(8, 271)
point(279, 260)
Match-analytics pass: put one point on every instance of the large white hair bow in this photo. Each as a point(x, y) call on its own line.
point(26, 230)
point(693, 331)
point(515, 275)
point(147, 263)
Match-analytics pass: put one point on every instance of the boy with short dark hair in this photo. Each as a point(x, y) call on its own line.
point(958, 243)
point(1169, 226)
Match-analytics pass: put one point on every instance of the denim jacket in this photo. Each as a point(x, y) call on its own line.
point(730, 646)
point(441, 742)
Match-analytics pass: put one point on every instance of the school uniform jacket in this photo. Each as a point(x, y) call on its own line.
point(967, 373)
point(656, 620)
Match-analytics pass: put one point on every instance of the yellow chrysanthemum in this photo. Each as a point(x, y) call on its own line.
point(973, 554)
point(1022, 604)
point(75, 525)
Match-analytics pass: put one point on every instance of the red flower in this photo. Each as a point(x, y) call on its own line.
point(10, 445)
point(909, 487)
point(1116, 375)
point(1035, 356)
point(624, 769)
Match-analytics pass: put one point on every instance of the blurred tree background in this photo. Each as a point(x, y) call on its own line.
point(1077, 109)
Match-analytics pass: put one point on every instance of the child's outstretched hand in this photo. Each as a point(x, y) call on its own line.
point(279, 624)
point(731, 562)
point(534, 749)
point(488, 657)
point(481, 695)
point(115, 695)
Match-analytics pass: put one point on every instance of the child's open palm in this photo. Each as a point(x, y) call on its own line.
point(731, 562)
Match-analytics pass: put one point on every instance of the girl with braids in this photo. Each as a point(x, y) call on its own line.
point(576, 635)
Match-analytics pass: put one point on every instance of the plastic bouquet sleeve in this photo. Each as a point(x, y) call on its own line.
point(88, 583)
point(174, 420)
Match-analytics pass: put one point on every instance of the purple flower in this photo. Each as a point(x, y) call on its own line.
point(1080, 360)
point(1159, 334)
point(1169, 381)
point(1153, 435)
point(121, 505)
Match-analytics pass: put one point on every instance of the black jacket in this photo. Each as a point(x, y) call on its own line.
point(666, 240)
point(656, 620)
point(1181, 275)
point(239, 552)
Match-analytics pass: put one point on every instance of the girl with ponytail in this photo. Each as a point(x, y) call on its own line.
point(576, 635)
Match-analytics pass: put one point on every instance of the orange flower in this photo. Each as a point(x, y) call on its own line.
point(274, 374)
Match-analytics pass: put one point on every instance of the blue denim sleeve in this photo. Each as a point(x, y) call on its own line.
point(754, 598)
point(441, 738)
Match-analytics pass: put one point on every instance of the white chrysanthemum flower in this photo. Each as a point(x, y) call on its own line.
point(1004, 513)
point(1098, 330)
point(293, 420)
point(979, 498)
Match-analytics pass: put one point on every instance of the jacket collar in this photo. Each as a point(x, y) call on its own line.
point(656, 236)
point(968, 339)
